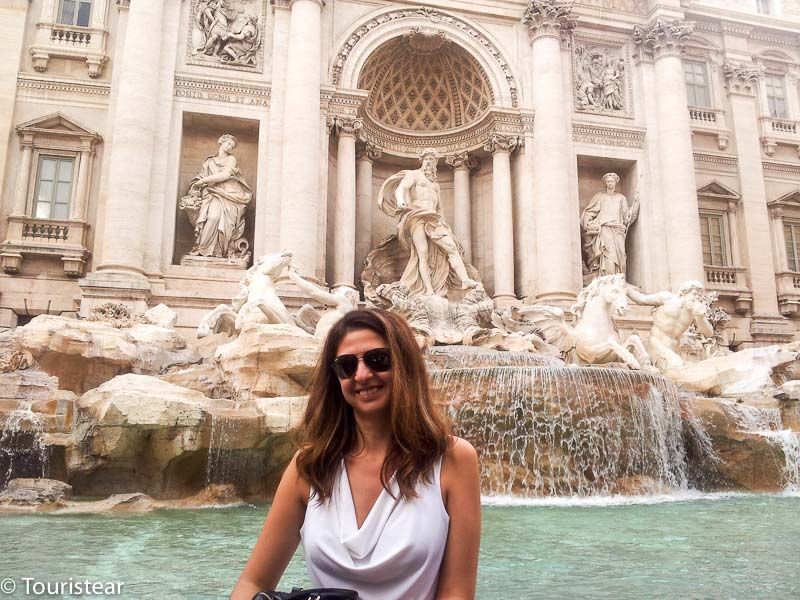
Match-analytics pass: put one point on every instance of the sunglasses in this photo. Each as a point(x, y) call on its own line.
point(377, 360)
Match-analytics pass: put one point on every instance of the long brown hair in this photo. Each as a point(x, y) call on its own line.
point(420, 435)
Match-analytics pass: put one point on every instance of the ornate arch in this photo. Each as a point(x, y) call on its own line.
point(363, 38)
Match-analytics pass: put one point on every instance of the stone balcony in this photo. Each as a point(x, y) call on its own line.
point(730, 282)
point(71, 42)
point(788, 283)
point(710, 121)
point(45, 237)
point(778, 131)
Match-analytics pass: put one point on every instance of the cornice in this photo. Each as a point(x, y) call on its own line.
point(716, 162)
point(589, 133)
point(222, 90)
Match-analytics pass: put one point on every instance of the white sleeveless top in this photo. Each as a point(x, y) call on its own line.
point(395, 555)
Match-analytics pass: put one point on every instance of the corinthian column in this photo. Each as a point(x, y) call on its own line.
point(555, 209)
point(134, 129)
point(741, 84)
point(300, 198)
point(344, 218)
point(364, 161)
point(501, 148)
point(462, 214)
point(664, 42)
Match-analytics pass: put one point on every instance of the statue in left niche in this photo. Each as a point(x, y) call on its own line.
point(215, 205)
point(227, 32)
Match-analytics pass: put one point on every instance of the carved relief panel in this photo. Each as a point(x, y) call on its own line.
point(227, 34)
point(601, 74)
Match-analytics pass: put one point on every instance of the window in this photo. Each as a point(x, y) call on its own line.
point(75, 12)
point(791, 232)
point(696, 76)
point(53, 187)
point(712, 235)
point(776, 96)
point(763, 7)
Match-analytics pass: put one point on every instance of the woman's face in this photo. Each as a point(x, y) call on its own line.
point(367, 391)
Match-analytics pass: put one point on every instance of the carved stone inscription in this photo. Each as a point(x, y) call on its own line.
point(227, 33)
point(600, 79)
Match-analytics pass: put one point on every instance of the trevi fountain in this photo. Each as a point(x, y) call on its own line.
point(638, 425)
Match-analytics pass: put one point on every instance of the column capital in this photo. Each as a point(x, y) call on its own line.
point(661, 38)
point(283, 4)
point(741, 79)
point(548, 18)
point(123, 4)
point(502, 143)
point(462, 161)
point(368, 151)
point(343, 125)
point(320, 3)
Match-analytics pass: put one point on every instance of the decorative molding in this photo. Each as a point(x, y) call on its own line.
point(344, 125)
point(716, 162)
point(502, 143)
point(368, 151)
point(781, 167)
point(31, 86)
point(123, 4)
point(410, 144)
point(462, 160)
point(638, 7)
point(740, 79)
point(594, 67)
point(736, 28)
point(230, 37)
point(661, 38)
point(588, 133)
point(435, 16)
point(217, 90)
point(549, 18)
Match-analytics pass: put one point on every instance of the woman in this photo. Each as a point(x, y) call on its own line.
point(384, 500)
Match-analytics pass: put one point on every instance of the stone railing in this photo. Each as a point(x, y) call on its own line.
point(721, 278)
point(788, 283)
point(70, 42)
point(711, 121)
point(45, 231)
point(778, 131)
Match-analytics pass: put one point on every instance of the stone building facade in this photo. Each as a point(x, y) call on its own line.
point(109, 109)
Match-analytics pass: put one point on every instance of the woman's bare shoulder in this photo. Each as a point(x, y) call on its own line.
point(460, 453)
point(295, 480)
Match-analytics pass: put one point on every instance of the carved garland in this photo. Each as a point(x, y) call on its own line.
point(435, 16)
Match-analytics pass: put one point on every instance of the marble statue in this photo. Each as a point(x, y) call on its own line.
point(256, 302)
point(436, 263)
point(339, 301)
point(215, 204)
point(673, 316)
point(594, 339)
point(604, 227)
point(600, 82)
point(226, 31)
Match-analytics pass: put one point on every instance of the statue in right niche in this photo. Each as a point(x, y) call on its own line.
point(604, 227)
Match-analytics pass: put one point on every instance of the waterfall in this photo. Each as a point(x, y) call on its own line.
point(767, 423)
point(23, 452)
point(223, 464)
point(554, 430)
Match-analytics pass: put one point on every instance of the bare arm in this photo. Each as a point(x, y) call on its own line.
point(401, 192)
point(312, 290)
point(279, 537)
point(462, 489)
point(638, 297)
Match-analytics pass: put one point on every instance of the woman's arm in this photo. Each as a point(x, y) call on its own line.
point(461, 487)
point(279, 537)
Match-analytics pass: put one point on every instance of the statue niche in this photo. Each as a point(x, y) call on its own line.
point(215, 205)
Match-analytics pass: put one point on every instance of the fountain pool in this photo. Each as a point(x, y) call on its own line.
point(690, 545)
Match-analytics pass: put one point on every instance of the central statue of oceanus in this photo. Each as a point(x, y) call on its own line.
point(436, 263)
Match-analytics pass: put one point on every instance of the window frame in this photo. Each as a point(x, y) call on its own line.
point(60, 14)
point(33, 200)
point(764, 7)
point(783, 99)
point(792, 225)
point(722, 217)
point(690, 86)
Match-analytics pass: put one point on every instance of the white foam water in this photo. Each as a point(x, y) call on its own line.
point(611, 500)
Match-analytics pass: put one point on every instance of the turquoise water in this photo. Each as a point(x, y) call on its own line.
point(739, 546)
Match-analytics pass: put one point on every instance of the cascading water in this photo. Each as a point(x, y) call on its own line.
point(555, 430)
point(767, 422)
point(23, 452)
point(223, 465)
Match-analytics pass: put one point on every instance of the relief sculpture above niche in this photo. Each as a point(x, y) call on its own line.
point(601, 79)
point(227, 34)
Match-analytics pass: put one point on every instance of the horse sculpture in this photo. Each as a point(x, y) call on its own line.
point(594, 339)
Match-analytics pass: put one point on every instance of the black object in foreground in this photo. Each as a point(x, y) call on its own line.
point(310, 594)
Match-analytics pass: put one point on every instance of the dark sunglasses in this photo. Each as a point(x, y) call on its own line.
point(377, 360)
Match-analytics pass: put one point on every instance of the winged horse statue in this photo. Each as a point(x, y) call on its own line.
point(594, 338)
